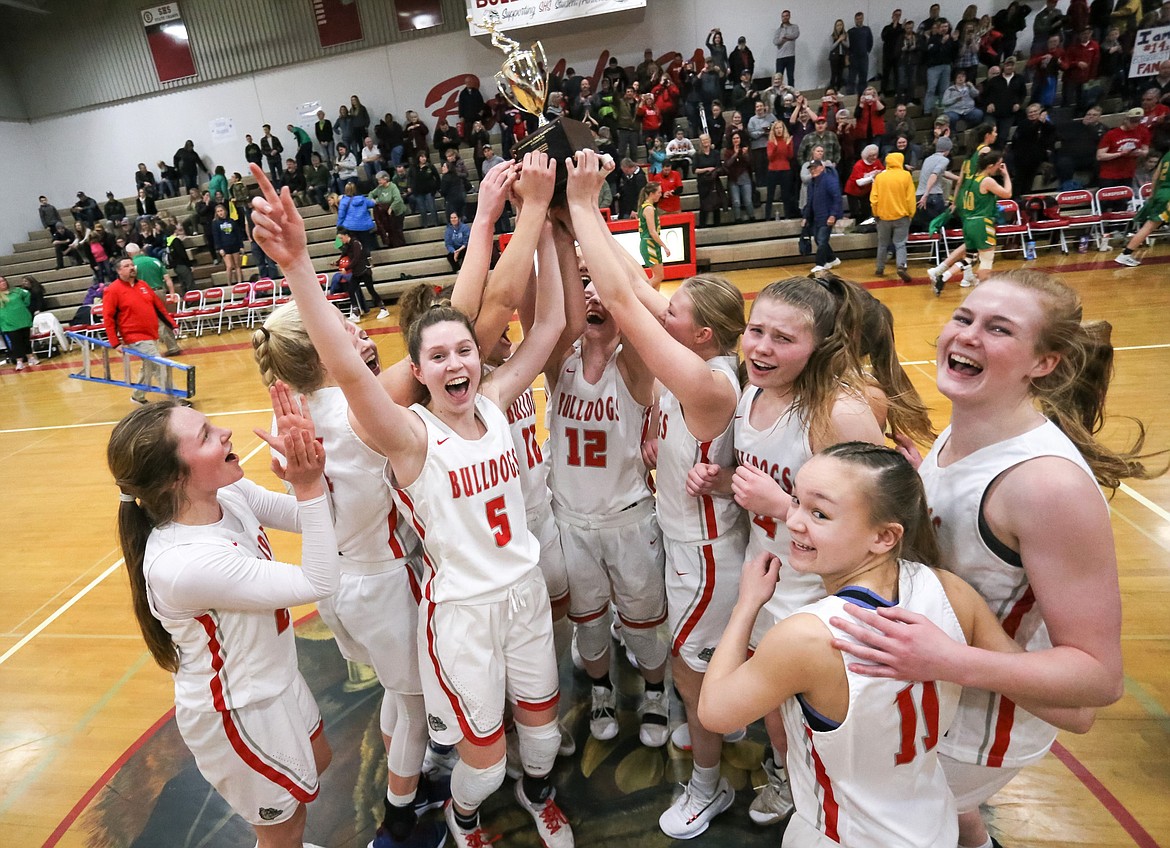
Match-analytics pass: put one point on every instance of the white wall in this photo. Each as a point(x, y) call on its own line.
point(104, 145)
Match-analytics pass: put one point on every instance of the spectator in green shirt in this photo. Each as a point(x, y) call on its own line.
point(390, 211)
point(304, 146)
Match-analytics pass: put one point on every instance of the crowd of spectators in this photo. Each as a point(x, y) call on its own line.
point(1040, 77)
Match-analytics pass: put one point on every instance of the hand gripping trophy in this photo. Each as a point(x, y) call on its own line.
point(523, 80)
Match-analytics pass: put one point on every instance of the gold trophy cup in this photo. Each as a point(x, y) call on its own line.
point(523, 80)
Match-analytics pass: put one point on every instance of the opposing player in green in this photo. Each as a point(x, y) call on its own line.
point(1154, 213)
point(975, 204)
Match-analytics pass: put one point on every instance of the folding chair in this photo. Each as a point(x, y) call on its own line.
point(1012, 227)
point(235, 310)
point(1054, 228)
point(211, 312)
point(1079, 210)
point(1119, 216)
point(924, 246)
point(262, 303)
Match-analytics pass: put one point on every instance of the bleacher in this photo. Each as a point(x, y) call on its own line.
point(423, 258)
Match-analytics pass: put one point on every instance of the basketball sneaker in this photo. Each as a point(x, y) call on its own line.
point(774, 803)
point(568, 746)
point(430, 834)
point(465, 838)
point(554, 829)
point(438, 762)
point(938, 280)
point(690, 815)
point(433, 792)
point(603, 724)
point(654, 713)
point(1127, 259)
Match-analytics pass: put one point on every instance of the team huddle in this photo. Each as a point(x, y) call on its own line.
point(911, 630)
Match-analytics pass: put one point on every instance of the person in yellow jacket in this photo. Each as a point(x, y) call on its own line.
point(892, 198)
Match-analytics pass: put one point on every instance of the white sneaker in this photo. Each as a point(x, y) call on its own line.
point(465, 838)
point(1127, 259)
point(689, 816)
point(774, 803)
point(554, 829)
point(32, 360)
point(654, 713)
point(816, 269)
point(568, 746)
point(435, 763)
point(575, 654)
point(19, 365)
point(830, 265)
point(603, 724)
point(383, 313)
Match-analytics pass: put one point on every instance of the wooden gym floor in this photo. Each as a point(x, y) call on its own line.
point(90, 757)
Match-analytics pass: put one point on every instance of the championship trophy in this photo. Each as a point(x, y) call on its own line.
point(523, 80)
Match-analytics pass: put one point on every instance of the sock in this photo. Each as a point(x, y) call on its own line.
point(400, 819)
point(777, 758)
point(1126, 252)
point(602, 681)
point(536, 789)
point(660, 686)
point(467, 823)
point(986, 844)
point(704, 781)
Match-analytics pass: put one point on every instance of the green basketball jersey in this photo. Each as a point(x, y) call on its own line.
point(975, 204)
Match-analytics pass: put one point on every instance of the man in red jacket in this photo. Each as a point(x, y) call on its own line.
point(672, 187)
point(132, 310)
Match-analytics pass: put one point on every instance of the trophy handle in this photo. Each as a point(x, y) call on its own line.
point(505, 88)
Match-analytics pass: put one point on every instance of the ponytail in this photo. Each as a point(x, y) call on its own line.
point(143, 456)
point(906, 413)
point(283, 351)
point(1072, 395)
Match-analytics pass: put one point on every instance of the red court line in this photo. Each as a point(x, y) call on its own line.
point(1108, 800)
point(101, 782)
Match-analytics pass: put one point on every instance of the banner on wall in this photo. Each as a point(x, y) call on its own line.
point(1149, 48)
point(170, 47)
point(516, 14)
point(222, 130)
point(338, 22)
point(418, 14)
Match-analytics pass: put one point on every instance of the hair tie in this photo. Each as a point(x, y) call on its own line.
point(264, 330)
point(126, 497)
point(438, 289)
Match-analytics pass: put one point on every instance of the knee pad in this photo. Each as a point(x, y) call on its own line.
point(470, 787)
point(593, 638)
point(408, 742)
point(538, 747)
point(647, 646)
point(388, 715)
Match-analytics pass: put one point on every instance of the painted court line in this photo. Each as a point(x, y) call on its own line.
point(93, 584)
point(1146, 502)
point(1107, 799)
point(112, 423)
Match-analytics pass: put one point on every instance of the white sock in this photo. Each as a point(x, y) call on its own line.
point(778, 758)
point(986, 844)
point(704, 781)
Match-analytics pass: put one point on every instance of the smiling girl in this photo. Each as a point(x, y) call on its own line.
point(455, 470)
point(862, 755)
point(213, 606)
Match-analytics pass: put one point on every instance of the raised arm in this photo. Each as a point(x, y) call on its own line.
point(709, 400)
point(280, 231)
point(505, 288)
point(468, 293)
point(514, 377)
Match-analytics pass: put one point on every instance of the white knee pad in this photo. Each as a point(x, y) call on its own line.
point(388, 715)
point(470, 787)
point(593, 638)
point(538, 747)
point(647, 646)
point(408, 741)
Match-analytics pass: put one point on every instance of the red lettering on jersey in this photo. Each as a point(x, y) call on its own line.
point(283, 620)
point(598, 409)
point(521, 408)
point(781, 474)
point(662, 425)
point(474, 479)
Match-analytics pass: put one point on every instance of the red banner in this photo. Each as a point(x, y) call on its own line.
point(338, 22)
point(170, 48)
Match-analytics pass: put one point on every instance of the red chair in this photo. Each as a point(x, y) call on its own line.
point(339, 298)
point(1078, 208)
point(188, 316)
point(211, 312)
point(262, 303)
point(1050, 227)
point(1118, 215)
point(924, 246)
point(235, 310)
point(1013, 227)
point(285, 295)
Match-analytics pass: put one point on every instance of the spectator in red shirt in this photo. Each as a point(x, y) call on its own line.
point(860, 183)
point(666, 94)
point(131, 312)
point(650, 118)
point(1083, 58)
point(1118, 155)
point(672, 187)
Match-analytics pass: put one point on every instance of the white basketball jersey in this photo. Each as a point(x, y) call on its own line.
point(991, 730)
point(779, 450)
point(467, 506)
point(684, 518)
point(521, 417)
point(369, 527)
point(874, 781)
point(227, 658)
point(595, 441)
